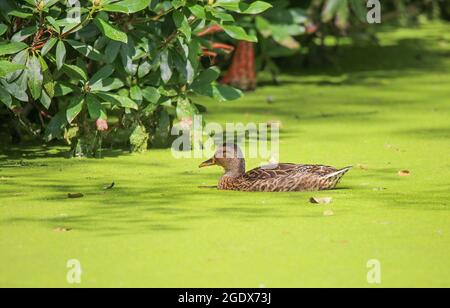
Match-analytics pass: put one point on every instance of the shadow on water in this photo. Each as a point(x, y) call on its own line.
point(427, 133)
point(367, 65)
point(31, 152)
point(133, 207)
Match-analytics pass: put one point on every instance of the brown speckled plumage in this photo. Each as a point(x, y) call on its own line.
point(276, 178)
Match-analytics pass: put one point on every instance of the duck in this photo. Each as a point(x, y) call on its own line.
point(271, 178)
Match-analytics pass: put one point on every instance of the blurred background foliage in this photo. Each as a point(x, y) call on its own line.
point(126, 73)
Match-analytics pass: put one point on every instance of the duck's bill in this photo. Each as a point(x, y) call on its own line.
point(210, 162)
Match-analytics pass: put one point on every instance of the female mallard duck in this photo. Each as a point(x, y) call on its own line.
point(277, 178)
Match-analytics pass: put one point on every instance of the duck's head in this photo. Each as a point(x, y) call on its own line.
point(228, 156)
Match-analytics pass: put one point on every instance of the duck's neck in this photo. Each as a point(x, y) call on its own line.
point(236, 170)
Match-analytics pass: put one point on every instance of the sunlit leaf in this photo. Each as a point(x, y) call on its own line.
point(35, 77)
point(11, 48)
point(74, 108)
point(111, 31)
point(60, 54)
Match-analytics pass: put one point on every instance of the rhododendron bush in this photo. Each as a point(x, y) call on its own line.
point(81, 70)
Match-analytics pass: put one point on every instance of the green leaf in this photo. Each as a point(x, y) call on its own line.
point(136, 94)
point(127, 6)
point(19, 87)
point(12, 48)
point(50, 3)
point(232, 5)
point(198, 11)
point(24, 34)
point(7, 68)
point(239, 33)
point(111, 31)
point(95, 108)
point(54, 24)
point(226, 93)
point(182, 24)
point(62, 89)
point(60, 54)
point(166, 69)
point(48, 46)
point(359, 7)
point(21, 59)
point(254, 8)
point(45, 100)
point(103, 73)
point(118, 100)
point(112, 51)
point(74, 72)
point(49, 84)
point(35, 77)
point(56, 126)
point(185, 109)
point(86, 50)
point(3, 29)
point(222, 16)
point(238, 6)
point(144, 69)
point(107, 85)
point(128, 53)
point(5, 97)
point(74, 108)
point(204, 89)
point(151, 95)
point(20, 14)
point(208, 76)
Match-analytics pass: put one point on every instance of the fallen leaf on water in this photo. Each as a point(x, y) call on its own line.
point(61, 229)
point(274, 124)
point(111, 186)
point(317, 200)
point(363, 166)
point(404, 173)
point(328, 213)
point(379, 188)
point(75, 196)
point(391, 147)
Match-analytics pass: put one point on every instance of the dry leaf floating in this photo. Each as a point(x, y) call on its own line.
point(328, 213)
point(75, 196)
point(319, 200)
point(109, 187)
point(61, 229)
point(404, 173)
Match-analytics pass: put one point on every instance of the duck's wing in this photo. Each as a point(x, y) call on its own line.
point(288, 170)
point(317, 170)
point(269, 172)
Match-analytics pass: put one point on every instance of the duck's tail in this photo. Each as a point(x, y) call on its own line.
point(335, 177)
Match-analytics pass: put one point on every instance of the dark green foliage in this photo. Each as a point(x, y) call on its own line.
point(133, 63)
